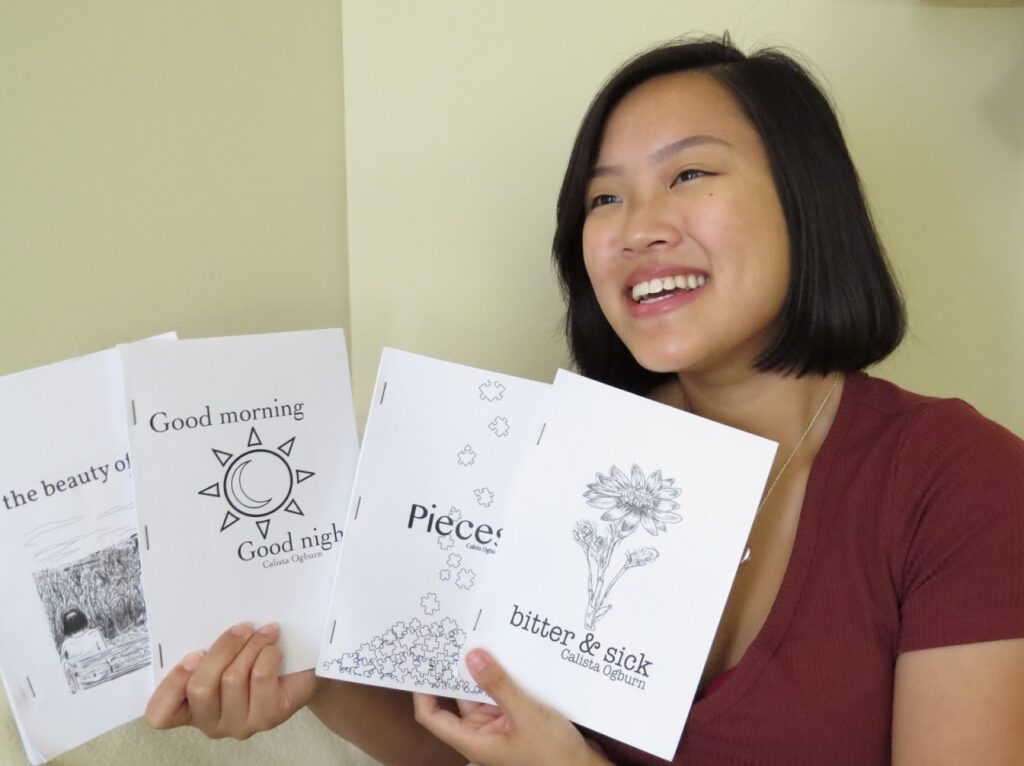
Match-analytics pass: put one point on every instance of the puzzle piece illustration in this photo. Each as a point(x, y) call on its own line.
point(492, 391)
point(455, 513)
point(454, 560)
point(484, 497)
point(445, 542)
point(499, 427)
point(427, 655)
point(430, 604)
point(445, 575)
point(465, 579)
point(467, 456)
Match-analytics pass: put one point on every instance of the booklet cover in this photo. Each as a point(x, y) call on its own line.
point(74, 649)
point(441, 451)
point(626, 530)
point(243, 450)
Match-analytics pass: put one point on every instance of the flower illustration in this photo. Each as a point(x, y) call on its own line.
point(641, 556)
point(583, 532)
point(635, 500)
point(629, 503)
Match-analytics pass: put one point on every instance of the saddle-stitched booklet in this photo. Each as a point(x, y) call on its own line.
point(74, 647)
point(243, 449)
point(625, 534)
point(441, 451)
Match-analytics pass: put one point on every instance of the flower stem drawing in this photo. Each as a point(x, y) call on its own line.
point(629, 503)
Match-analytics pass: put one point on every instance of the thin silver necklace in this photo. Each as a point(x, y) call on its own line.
point(785, 465)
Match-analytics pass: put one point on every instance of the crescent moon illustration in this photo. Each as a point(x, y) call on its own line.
point(237, 488)
point(258, 482)
point(262, 491)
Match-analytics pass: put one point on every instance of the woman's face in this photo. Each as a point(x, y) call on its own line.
point(685, 242)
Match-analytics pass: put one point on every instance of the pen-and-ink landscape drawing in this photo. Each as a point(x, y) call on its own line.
point(94, 603)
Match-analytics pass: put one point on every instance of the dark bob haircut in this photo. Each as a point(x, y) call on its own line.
point(843, 311)
point(75, 621)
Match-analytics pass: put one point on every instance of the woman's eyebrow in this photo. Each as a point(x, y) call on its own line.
point(659, 155)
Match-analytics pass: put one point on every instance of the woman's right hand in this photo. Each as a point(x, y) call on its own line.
point(234, 689)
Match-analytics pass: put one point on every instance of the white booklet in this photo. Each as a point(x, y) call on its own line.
point(243, 449)
point(625, 534)
point(74, 648)
point(441, 452)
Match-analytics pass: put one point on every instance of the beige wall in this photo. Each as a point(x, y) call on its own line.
point(170, 166)
point(179, 166)
point(460, 115)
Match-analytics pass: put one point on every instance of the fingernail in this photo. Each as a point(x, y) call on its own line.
point(191, 661)
point(270, 629)
point(242, 629)
point(476, 661)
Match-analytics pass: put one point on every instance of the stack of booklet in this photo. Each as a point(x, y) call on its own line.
point(155, 494)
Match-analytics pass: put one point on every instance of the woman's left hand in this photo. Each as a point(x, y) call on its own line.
point(518, 731)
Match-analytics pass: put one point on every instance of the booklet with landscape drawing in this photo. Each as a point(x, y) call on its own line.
point(74, 650)
point(440, 454)
point(243, 450)
point(622, 542)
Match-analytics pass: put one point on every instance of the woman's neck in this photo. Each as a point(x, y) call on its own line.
point(777, 407)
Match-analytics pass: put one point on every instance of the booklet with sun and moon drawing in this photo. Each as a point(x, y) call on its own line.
point(74, 648)
point(624, 536)
point(442, 447)
point(244, 449)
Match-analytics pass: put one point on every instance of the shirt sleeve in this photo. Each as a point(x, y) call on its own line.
point(958, 508)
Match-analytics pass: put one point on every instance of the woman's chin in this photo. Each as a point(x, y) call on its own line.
point(661, 362)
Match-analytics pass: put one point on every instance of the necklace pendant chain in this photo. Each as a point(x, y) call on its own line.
point(792, 454)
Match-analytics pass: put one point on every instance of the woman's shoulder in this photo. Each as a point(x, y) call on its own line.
point(947, 485)
point(939, 466)
point(931, 425)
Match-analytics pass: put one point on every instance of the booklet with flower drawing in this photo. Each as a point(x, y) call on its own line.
point(625, 532)
point(441, 451)
point(243, 450)
point(74, 649)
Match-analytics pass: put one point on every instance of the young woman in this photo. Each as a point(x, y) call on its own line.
point(716, 254)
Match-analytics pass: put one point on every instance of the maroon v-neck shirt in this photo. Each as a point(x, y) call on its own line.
point(911, 536)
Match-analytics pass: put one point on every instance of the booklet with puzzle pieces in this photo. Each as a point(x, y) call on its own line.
point(243, 451)
point(624, 536)
point(441, 451)
point(74, 650)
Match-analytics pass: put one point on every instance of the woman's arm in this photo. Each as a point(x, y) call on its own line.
point(234, 690)
point(381, 723)
point(960, 704)
point(517, 731)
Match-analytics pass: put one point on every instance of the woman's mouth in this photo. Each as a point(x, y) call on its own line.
point(659, 289)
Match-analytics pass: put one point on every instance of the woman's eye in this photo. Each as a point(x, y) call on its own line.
point(688, 175)
point(601, 200)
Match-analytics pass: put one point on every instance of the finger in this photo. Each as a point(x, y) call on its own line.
point(203, 688)
point(467, 707)
point(234, 683)
point(168, 707)
point(265, 698)
point(273, 698)
point(443, 724)
point(499, 686)
point(298, 688)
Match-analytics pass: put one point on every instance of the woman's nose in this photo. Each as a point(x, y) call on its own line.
point(648, 226)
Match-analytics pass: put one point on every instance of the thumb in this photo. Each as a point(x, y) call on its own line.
point(492, 678)
point(299, 688)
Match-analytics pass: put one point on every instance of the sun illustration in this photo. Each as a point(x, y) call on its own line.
point(257, 483)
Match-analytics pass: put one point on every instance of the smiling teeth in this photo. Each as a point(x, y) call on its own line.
point(658, 287)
